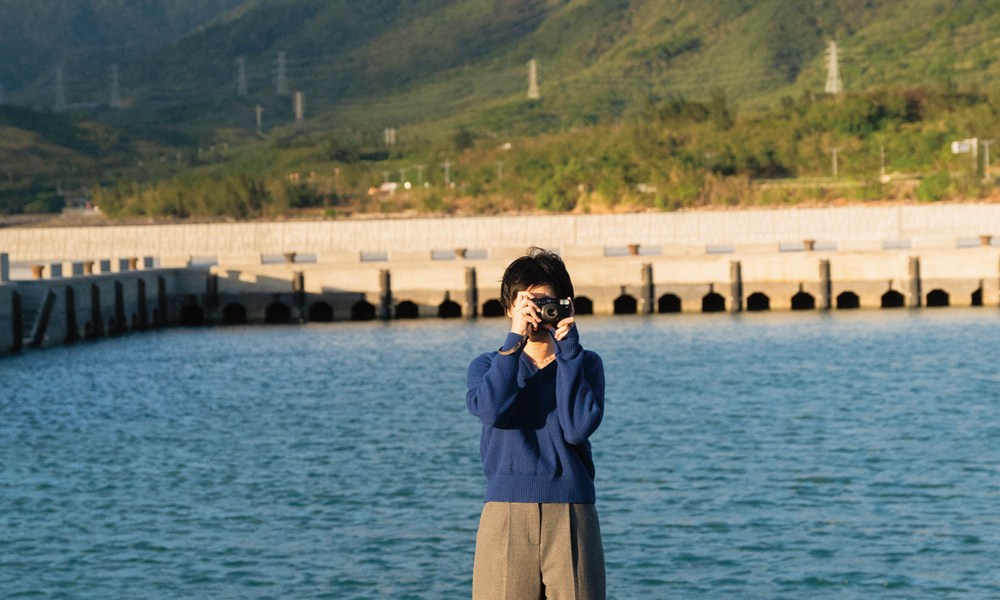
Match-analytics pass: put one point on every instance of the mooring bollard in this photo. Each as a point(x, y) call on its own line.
point(633, 249)
point(133, 263)
point(809, 245)
point(37, 271)
point(88, 267)
point(986, 240)
point(290, 257)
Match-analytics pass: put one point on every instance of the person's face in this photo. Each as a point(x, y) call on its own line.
point(538, 291)
point(542, 291)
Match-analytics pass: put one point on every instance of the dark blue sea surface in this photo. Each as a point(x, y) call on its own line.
point(758, 456)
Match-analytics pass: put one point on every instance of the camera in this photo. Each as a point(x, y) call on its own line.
point(553, 310)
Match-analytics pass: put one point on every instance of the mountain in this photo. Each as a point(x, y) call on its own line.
point(397, 62)
point(38, 35)
point(452, 76)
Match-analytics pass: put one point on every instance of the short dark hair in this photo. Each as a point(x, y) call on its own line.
point(537, 267)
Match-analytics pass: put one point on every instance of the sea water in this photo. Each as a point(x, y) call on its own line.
point(845, 455)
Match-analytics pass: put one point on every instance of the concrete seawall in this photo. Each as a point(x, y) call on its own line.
point(64, 298)
point(854, 228)
point(53, 311)
point(405, 288)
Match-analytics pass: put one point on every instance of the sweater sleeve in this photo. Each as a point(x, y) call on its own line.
point(492, 383)
point(579, 389)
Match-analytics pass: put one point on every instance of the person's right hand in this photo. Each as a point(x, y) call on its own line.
point(525, 314)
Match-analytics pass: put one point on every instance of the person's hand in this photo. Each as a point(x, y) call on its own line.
point(562, 328)
point(524, 314)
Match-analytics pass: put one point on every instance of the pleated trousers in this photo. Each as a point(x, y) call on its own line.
point(528, 551)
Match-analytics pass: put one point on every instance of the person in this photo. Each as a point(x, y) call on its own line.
point(539, 398)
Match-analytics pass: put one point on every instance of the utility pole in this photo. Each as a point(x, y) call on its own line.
point(986, 159)
point(116, 94)
point(835, 150)
point(881, 173)
point(299, 107)
point(241, 77)
point(260, 121)
point(60, 91)
point(833, 84)
point(282, 87)
point(533, 92)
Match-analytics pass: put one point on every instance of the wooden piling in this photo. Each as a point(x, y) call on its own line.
point(385, 295)
point(648, 289)
point(471, 294)
point(826, 285)
point(916, 299)
point(736, 279)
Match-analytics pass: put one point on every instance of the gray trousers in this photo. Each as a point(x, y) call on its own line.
point(527, 551)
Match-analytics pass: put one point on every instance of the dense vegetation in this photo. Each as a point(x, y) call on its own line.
point(677, 154)
point(660, 104)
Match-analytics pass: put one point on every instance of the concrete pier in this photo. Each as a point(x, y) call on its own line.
point(446, 271)
point(39, 313)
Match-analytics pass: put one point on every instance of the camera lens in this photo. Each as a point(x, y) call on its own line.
point(550, 312)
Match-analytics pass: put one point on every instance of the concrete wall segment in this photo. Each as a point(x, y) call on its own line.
point(840, 225)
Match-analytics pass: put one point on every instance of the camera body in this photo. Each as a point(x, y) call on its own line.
point(553, 310)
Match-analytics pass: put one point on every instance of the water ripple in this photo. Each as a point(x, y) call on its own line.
point(760, 456)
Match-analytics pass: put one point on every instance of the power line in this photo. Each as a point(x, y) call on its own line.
point(833, 83)
point(241, 77)
point(299, 106)
point(533, 91)
point(60, 104)
point(116, 94)
point(282, 84)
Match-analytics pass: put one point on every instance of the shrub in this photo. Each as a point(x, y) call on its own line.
point(934, 187)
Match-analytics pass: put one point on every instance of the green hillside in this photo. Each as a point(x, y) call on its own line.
point(90, 35)
point(362, 64)
point(735, 77)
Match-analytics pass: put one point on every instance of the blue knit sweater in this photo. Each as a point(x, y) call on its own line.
point(537, 422)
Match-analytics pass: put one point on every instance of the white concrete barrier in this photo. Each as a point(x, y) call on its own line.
point(937, 225)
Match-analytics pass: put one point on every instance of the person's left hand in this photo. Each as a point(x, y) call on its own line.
point(562, 327)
